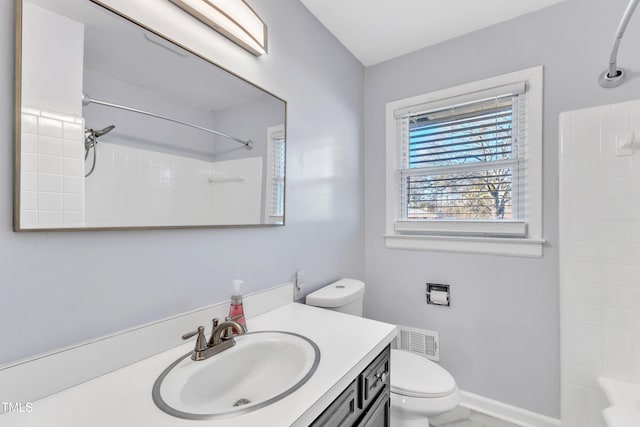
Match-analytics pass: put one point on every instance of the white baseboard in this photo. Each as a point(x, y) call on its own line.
point(509, 413)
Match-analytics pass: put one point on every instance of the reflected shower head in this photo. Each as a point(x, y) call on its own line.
point(90, 140)
point(99, 133)
point(91, 137)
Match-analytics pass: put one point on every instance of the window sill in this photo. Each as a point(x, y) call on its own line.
point(529, 248)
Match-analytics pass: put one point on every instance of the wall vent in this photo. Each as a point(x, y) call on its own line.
point(420, 341)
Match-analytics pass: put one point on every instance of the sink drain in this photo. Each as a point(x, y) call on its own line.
point(241, 402)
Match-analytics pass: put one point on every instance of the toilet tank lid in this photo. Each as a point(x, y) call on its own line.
point(337, 294)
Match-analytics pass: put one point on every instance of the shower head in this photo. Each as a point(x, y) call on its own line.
point(99, 133)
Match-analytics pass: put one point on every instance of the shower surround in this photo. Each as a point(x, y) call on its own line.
point(599, 256)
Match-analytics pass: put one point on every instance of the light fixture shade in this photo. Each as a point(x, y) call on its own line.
point(234, 19)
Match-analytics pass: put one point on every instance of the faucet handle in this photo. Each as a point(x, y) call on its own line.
point(201, 342)
point(192, 334)
point(215, 322)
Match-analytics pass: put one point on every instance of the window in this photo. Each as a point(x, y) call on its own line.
point(274, 212)
point(464, 168)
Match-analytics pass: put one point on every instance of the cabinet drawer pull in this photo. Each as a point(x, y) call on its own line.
point(382, 377)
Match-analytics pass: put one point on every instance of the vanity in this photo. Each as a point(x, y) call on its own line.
point(350, 386)
point(365, 402)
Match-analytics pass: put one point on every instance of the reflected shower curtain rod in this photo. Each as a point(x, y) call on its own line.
point(86, 100)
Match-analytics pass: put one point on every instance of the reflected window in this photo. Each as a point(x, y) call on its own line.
point(275, 175)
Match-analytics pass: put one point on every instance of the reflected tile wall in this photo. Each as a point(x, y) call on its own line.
point(599, 256)
point(52, 170)
point(134, 187)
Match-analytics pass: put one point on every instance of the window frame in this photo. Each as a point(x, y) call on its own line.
point(485, 237)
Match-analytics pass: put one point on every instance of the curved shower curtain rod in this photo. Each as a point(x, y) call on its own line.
point(614, 76)
point(86, 100)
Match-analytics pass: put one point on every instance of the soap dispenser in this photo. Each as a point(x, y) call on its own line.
point(236, 310)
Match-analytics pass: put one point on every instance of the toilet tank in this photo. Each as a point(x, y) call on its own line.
point(345, 296)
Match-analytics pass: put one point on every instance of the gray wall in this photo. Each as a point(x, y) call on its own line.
point(61, 288)
point(141, 131)
point(251, 121)
point(500, 339)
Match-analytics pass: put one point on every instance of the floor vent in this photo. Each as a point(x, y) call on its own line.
point(420, 341)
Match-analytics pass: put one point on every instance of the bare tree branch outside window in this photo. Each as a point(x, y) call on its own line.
point(462, 157)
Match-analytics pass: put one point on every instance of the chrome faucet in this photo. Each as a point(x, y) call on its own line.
point(217, 342)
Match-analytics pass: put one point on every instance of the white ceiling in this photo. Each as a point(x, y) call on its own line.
point(377, 30)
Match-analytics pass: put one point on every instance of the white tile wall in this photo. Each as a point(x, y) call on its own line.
point(134, 187)
point(599, 257)
point(52, 127)
point(52, 151)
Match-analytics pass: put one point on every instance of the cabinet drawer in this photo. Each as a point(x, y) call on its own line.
point(375, 378)
point(343, 411)
point(378, 415)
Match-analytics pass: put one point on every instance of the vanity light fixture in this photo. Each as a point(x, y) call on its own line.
point(234, 19)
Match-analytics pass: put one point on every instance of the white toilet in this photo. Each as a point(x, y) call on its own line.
point(420, 388)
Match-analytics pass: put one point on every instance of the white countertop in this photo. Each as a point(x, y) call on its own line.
point(123, 397)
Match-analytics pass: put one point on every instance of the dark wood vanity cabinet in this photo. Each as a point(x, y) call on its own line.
point(374, 386)
point(365, 402)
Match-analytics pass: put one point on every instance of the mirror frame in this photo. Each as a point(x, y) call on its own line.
point(18, 130)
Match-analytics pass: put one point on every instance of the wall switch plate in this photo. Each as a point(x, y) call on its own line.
point(298, 285)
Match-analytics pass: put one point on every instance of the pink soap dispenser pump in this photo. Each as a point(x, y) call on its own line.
point(236, 310)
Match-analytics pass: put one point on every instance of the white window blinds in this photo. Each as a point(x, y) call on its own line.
point(464, 162)
point(275, 176)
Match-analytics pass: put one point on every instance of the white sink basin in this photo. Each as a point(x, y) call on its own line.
point(261, 368)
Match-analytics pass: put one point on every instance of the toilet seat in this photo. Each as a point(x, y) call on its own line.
point(420, 408)
point(415, 376)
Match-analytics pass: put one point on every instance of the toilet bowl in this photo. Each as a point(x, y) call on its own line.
point(420, 388)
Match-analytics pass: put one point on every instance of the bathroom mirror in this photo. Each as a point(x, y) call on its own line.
point(117, 127)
